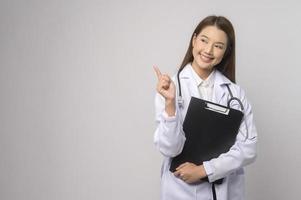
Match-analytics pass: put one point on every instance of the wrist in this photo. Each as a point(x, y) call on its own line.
point(170, 107)
point(201, 171)
point(170, 101)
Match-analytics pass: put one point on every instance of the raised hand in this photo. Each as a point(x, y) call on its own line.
point(165, 85)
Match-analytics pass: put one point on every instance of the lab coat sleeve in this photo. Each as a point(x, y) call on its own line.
point(169, 137)
point(242, 153)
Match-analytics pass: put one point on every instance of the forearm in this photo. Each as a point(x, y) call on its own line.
point(169, 137)
point(240, 155)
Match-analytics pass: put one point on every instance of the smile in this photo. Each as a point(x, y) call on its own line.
point(206, 58)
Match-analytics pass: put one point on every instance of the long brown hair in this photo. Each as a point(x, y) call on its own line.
point(227, 64)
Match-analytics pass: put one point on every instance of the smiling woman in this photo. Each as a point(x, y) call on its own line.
point(208, 73)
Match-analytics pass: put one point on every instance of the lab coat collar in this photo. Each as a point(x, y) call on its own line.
point(219, 82)
point(219, 89)
point(209, 81)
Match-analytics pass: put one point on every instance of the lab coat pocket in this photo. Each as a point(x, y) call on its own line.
point(174, 188)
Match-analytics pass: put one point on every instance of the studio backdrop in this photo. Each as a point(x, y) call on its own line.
point(77, 93)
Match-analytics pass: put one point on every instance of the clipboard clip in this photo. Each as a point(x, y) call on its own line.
point(217, 108)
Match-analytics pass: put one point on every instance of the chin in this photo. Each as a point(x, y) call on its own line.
point(207, 67)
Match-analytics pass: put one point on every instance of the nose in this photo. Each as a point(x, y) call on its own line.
point(209, 48)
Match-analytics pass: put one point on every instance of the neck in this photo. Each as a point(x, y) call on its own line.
point(203, 73)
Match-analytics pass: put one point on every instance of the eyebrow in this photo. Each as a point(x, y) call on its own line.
point(216, 42)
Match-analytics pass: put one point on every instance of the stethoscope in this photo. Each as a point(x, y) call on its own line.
point(181, 102)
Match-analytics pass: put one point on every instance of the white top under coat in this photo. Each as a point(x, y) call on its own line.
point(205, 86)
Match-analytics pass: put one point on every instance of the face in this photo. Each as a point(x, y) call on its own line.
point(209, 47)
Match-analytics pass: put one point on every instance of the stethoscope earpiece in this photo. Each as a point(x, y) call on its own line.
point(180, 102)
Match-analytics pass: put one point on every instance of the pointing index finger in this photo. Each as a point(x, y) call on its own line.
point(157, 72)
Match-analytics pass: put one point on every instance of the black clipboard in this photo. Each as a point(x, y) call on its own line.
point(210, 130)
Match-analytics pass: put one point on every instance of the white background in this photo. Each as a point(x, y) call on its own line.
point(77, 93)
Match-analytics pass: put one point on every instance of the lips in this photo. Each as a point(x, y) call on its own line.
point(205, 58)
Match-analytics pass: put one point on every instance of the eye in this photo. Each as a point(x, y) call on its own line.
point(219, 46)
point(204, 40)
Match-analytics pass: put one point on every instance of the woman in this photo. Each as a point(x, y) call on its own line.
point(207, 70)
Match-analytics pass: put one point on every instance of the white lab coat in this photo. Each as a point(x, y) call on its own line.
point(169, 139)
